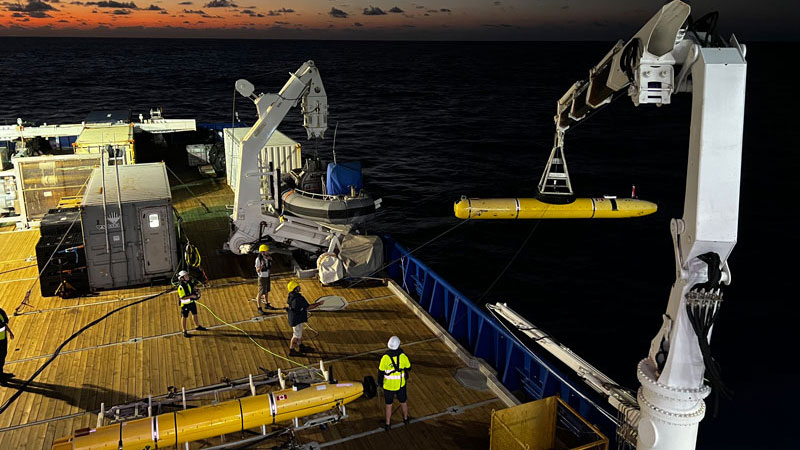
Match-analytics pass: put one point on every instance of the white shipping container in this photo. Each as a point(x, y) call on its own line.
point(280, 149)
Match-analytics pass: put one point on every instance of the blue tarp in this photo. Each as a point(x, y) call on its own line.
point(343, 175)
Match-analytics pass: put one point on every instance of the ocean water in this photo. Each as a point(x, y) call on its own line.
point(432, 121)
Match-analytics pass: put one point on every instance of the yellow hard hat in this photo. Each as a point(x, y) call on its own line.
point(292, 285)
point(263, 248)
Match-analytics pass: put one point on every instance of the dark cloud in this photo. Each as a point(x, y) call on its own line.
point(77, 3)
point(191, 11)
point(32, 6)
point(497, 25)
point(395, 9)
point(121, 12)
point(185, 3)
point(39, 15)
point(496, 3)
point(374, 11)
point(278, 12)
point(358, 24)
point(113, 4)
point(220, 4)
point(280, 22)
point(337, 13)
point(154, 8)
point(63, 21)
point(445, 10)
point(251, 13)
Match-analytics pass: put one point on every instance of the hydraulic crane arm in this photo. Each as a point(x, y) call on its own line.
point(249, 220)
point(673, 376)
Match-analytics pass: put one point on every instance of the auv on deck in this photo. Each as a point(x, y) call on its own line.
point(140, 350)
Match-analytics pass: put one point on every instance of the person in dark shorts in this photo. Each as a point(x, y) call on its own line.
point(5, 335)
point(393, 373)
point(187, 296)
point(263, 264)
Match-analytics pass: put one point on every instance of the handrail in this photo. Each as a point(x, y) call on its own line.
point(326, 196)
point(518, 367)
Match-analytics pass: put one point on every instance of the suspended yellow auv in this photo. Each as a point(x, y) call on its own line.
point(531, 208)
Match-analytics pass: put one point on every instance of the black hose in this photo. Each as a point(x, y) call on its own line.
point(27, 383)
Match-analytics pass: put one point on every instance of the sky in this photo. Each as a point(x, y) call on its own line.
point(377, 19)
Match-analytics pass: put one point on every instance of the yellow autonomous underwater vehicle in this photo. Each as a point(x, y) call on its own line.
point(532, 208)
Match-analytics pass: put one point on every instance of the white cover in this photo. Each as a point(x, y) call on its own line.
point(362, 255)
point(330, 268)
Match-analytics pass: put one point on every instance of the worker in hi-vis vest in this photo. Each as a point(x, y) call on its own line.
point(187, 295)
point(5, 335)
point(393, 373)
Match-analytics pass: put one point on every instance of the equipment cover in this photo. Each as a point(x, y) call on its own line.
point(343, 175)
point(362, 255)
point(330, 268)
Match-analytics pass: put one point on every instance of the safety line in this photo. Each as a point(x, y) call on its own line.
point(451, 410)
point(18, 280)
point(120, 299)
point(18, 268)
point(74, 335)
point(253, 340)
point(134, 340)
point(238, 380)
point(364, 278)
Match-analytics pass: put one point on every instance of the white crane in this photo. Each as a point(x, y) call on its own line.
point(674, 373)
point(253, 217)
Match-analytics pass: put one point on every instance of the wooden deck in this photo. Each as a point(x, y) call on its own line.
point(140, 350)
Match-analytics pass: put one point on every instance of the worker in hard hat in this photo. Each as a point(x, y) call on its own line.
point(5, 335)
point(298, 315)
point(393, 373)
point(263, 264)
point(187, 295)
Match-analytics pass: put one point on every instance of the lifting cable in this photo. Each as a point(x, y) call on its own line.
point(400, 259)
point(186, 186)
point(510, 261)
point(57, 351)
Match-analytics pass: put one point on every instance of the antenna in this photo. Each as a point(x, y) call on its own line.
point(334, 142)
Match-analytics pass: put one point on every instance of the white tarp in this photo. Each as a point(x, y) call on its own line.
point(330, 268)
point(362, 255)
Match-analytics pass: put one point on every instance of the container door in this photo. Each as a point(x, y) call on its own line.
point(155, 238)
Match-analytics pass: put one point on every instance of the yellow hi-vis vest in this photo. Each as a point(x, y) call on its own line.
point(394, 377)
point(2, 332)
point(183, 293)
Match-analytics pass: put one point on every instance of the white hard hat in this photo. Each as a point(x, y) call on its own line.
point(394, 343)
point(182, 273)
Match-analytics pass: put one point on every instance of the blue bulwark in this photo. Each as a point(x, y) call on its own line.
point(517, 366)
point(343, 175)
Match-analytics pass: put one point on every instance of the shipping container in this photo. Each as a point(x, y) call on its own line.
point(94, 139)
point(42, 181)
point(128, 226)
point(280, 149)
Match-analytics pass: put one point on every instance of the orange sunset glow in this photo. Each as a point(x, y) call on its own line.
point(456, 19)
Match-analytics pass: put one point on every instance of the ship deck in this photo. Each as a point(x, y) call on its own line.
point(140, 351)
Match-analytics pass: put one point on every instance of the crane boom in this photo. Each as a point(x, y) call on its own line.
point(249, 220)
point(673, 374)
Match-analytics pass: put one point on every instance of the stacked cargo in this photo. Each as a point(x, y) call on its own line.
point(61, 255)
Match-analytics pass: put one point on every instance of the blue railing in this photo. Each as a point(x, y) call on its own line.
point(518, 368)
